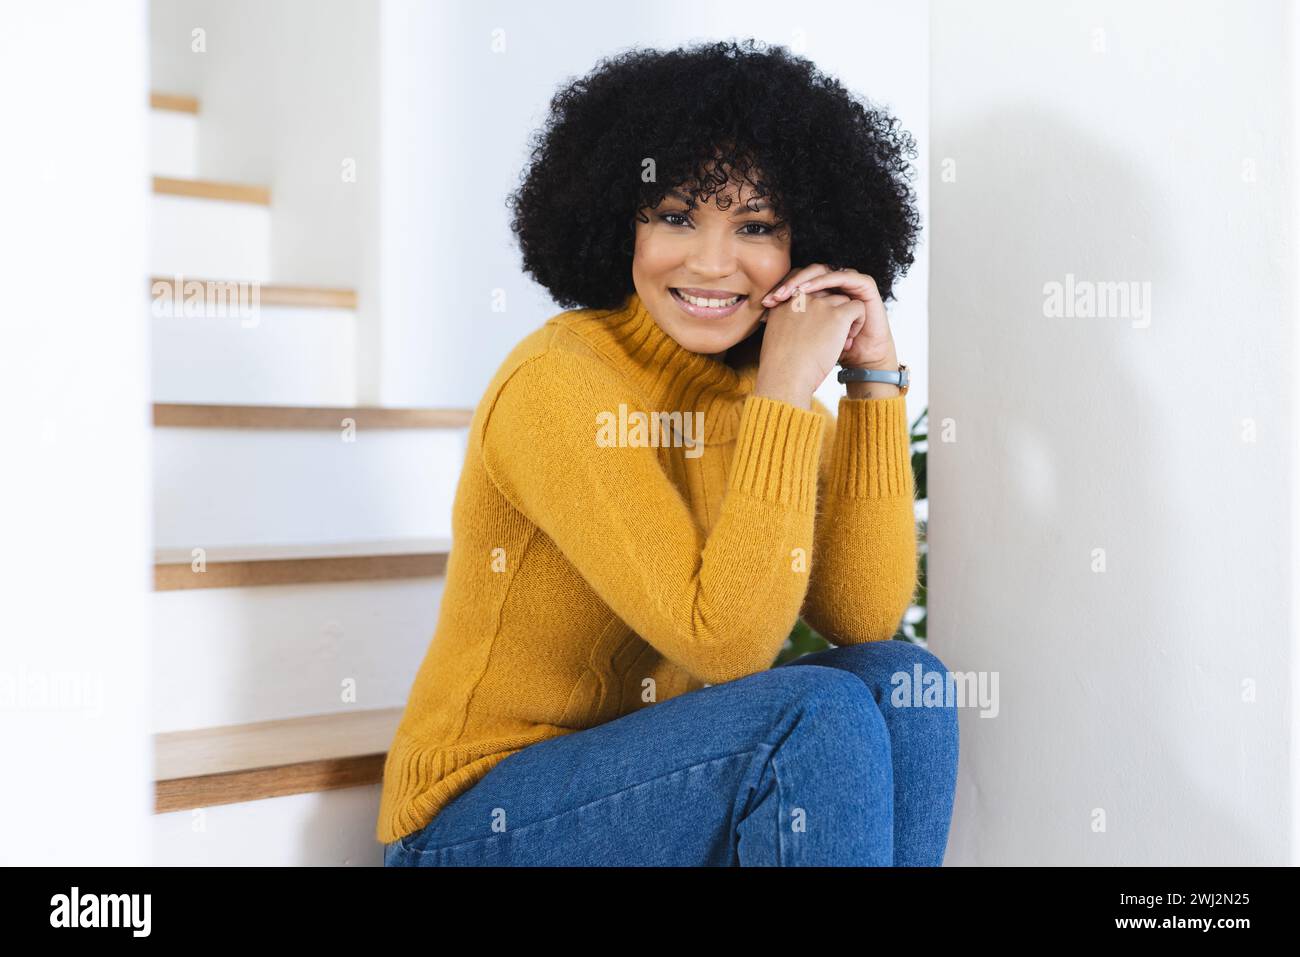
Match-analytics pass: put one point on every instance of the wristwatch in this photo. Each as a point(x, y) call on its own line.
point(899, 378)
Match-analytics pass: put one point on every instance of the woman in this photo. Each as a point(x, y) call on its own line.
point(652, 496)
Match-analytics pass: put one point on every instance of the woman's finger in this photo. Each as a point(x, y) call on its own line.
point(857, 325)
point(768, 299)
point(859, 285)
point(786, 287)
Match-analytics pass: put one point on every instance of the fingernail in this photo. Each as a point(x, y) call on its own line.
point(780, 291)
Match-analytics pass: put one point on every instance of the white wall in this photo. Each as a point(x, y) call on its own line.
point(287, 94)
point(75, 555)
point(1154, 143)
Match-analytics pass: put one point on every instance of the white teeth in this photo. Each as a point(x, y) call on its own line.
point(711, 303)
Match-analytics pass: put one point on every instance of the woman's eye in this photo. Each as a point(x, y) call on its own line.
point(681, 219)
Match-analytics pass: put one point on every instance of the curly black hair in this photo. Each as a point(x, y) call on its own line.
point(834, 167)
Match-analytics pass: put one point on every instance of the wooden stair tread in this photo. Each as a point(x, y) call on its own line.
point(245, 566)
point(175, 102)
point(300, 550)
point(268, 294)
point(216, 416)
point(211, 189)
point(248, 762)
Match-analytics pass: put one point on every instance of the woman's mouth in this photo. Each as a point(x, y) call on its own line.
point(715, 304)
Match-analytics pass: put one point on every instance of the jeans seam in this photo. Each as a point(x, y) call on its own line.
point(606, 797)
point(780, 813)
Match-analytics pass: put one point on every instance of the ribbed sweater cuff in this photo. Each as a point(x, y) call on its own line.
point(872, 457)
point(777, 452)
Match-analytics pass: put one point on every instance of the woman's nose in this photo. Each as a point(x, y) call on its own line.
point(712, 253)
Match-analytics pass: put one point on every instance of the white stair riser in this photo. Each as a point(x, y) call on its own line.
point(264, 355)
point(174, 144)
point(209, 238)
point(279, 486)
point(323, 829)
point(227, 656)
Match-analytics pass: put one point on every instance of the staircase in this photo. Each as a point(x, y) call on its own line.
point(300, 537)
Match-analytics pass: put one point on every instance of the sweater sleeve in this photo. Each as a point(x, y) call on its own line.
point(864, 567)
point(718, 605)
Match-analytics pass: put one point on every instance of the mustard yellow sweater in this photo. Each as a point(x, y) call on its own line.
point(600, 565)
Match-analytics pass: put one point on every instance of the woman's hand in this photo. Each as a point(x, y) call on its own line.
point(805, 334)
point(869, 343)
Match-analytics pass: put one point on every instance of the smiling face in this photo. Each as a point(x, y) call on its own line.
point(702, 271)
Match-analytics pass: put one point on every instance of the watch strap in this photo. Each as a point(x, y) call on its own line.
point(899, 378)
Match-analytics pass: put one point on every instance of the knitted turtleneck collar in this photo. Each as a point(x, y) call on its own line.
point(670, 377)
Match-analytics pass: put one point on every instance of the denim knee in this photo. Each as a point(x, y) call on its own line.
point(919, 685)
point(833, 690)
point(801, 682)
point(889, 657)
point(890, 668)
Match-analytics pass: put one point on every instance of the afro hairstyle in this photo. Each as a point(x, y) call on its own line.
point(835, 168)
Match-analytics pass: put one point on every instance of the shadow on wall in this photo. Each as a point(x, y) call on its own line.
point(1090, 432)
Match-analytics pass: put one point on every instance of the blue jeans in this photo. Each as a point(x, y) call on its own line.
point(807, 763)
